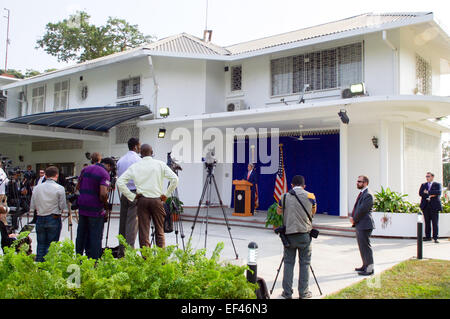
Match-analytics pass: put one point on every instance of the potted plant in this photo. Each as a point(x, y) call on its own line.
point(273, 218)
point(178, 203)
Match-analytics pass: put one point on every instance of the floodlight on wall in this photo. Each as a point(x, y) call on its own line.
point(344, 117)
point(375, 141)
point(354, 90)
point(164, 112)
point(358, 89)
point(162, 133)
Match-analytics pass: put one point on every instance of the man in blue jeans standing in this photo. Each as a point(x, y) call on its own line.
point(48, 199)
point(93, 185)
point(298, 208)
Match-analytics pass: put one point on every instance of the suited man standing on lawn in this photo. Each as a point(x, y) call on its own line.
point(430, 192)
point(362, 220)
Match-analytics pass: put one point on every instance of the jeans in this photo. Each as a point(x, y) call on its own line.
point(302, 244)
point(89, 236)
point(48, 229)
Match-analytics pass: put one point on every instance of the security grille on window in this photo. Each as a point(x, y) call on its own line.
point(129, 103)
point(38, 99)
point(2, 104)
point(326, 69)
point(127, 87)
point(125, 132)
point(423, 76)
point(61, 95)
point(236, 78)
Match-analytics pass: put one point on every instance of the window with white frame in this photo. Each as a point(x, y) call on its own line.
point(38, 99)
point(236, 78)
point(325, 69)
point(423, 76)
point(127, 87)
point(61, 95)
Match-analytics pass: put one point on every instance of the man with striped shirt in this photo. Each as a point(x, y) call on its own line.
point(93, 185)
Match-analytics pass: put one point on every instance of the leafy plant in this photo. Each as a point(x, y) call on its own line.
point(389, 201)
point(142, 274)
point(272, 217)
point(178, 203)
point(445, 200)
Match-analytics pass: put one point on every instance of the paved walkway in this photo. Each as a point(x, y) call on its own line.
point(333, 258)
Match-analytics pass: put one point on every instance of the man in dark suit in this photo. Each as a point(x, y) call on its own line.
point(430, 192)
point(362, 220)
point(252, 178)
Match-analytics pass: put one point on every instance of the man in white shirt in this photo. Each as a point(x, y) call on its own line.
point(49, 200)
point(128, 223)
point(3, 181)
point(148, 176)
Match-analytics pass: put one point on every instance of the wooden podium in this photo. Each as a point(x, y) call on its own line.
point(242, 198)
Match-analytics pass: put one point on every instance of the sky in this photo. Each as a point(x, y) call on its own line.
point(232, 21)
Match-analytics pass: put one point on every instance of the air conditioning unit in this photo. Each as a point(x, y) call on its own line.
point(235, 105)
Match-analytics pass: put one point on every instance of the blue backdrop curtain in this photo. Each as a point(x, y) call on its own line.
point(316, 160)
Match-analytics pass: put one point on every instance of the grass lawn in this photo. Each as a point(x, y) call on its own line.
point(412, 279)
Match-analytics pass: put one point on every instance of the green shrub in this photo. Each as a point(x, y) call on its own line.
point(272, 217)
point(141, 274)
point(390, 201)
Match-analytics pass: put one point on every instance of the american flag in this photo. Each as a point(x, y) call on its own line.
point(280, 182)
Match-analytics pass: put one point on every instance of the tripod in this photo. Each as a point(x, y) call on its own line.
point(111, 193)
point(278, 272)
point(207, 190)
point(178, 222)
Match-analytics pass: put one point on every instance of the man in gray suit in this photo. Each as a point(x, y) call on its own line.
point(362, 220)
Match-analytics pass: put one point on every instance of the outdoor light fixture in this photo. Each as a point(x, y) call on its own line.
point(164, 112)
point(344, 117)
point(354, 90)
point(162, 133)
point(375, 141)
point(251, 262)
point(358, 89)
point(88, 155)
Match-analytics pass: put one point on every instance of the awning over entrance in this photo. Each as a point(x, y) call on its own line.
point(99, 119)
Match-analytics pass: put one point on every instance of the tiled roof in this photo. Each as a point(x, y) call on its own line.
point(364, 21)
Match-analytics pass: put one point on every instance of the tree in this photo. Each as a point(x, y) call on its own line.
point(76, 39)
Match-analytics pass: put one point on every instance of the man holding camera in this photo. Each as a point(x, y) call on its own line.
point(48, 200)
point(148, 176)
point(298, 208)
point(128, 223)
point(93, 185)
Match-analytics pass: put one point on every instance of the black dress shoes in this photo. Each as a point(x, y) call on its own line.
point(360, 269)
point(427, 239)
point(436, 241)
point(365, 273)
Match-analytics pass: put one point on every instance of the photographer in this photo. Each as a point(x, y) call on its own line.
point(128, 223)
point(48, 200)
point(93, 185)
point(297, 207)
point(16, 199)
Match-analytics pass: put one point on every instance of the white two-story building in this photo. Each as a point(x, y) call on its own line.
point(392, 135)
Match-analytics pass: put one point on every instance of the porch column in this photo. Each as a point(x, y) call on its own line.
point(343, 170)
point(384, 154)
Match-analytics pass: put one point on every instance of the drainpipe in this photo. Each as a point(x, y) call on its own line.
point(395, 65)
point(155, 86)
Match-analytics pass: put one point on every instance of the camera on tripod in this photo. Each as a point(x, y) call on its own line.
point(281, 231)
point(172, 163)
point(210, 160)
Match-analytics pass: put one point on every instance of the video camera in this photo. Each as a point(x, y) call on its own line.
point(210, 160)
point(172, 163)
point(281, 231)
